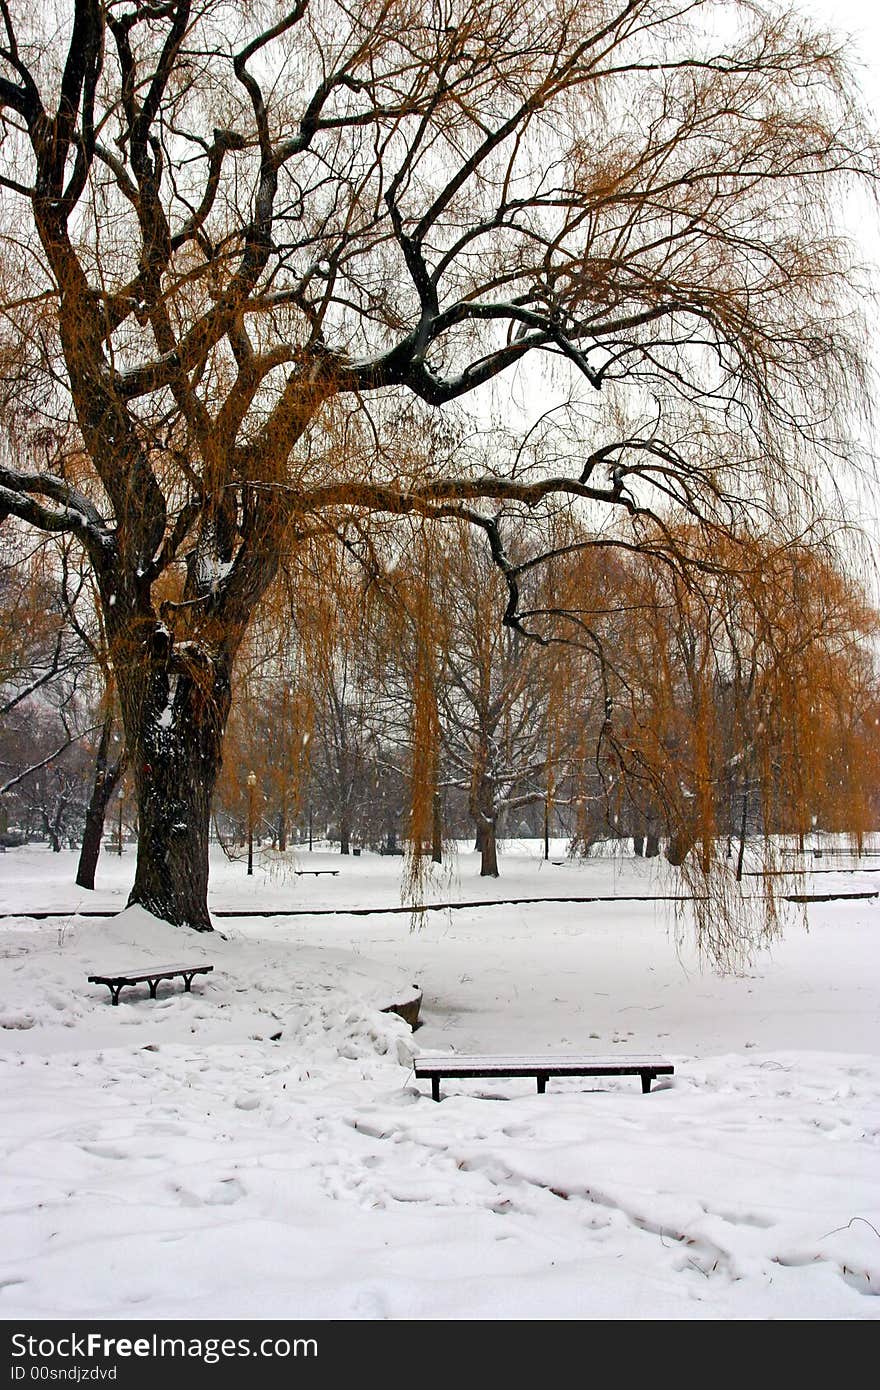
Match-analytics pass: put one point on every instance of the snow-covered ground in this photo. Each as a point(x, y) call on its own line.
point(168, 1159)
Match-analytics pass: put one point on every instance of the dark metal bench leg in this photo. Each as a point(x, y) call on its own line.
point(114, 993)
point(542, 1083)
point(187, 983)
point(154, 985)
point(647, 1078)
point(435, 1088)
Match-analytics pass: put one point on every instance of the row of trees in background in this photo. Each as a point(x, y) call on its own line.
point(61, 750)
point(398, 699)
point(382, 702)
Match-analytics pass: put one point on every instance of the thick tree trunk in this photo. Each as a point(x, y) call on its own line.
point(488, 852)
point(652, 845)
point(679, 847)
point(174, 805)
point(174, 727)
point(483, 809)
point(106, 778)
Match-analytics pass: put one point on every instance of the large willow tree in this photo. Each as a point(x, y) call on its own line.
point(248, 247)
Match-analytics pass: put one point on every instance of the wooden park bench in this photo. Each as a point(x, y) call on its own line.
point(150, 976)
point(301, 872)
point(438, 1068)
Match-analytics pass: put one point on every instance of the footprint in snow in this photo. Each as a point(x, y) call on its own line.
point(370, 1305)
point(105, 1151)
point(248, 1101)
point(167, 1127)
point(223, 1193)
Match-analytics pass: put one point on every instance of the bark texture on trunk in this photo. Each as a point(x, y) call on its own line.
point(678, 848)
point(488, 852)
point(485, 814)
point(174, 804)
point(107, 775)
point(174, 732)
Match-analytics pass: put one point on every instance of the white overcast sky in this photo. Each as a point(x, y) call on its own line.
point(858, 19)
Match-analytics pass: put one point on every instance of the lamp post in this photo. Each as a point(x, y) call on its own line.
point(306, 739)
point(120, 796)
point(252, 782)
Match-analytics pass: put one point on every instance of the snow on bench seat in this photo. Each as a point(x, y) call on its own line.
point(438, 1068)
point(150, 975)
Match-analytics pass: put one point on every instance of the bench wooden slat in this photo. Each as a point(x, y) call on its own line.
point(143, 973)
point(151, 976)
point(542, 1068)
point(452, 1065)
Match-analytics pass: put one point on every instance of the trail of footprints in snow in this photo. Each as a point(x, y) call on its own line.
point(418, 1168)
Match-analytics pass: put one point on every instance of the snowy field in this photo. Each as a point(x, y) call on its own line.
point(169, 1159)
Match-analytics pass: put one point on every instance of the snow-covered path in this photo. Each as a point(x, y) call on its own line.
point(166, 1159)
